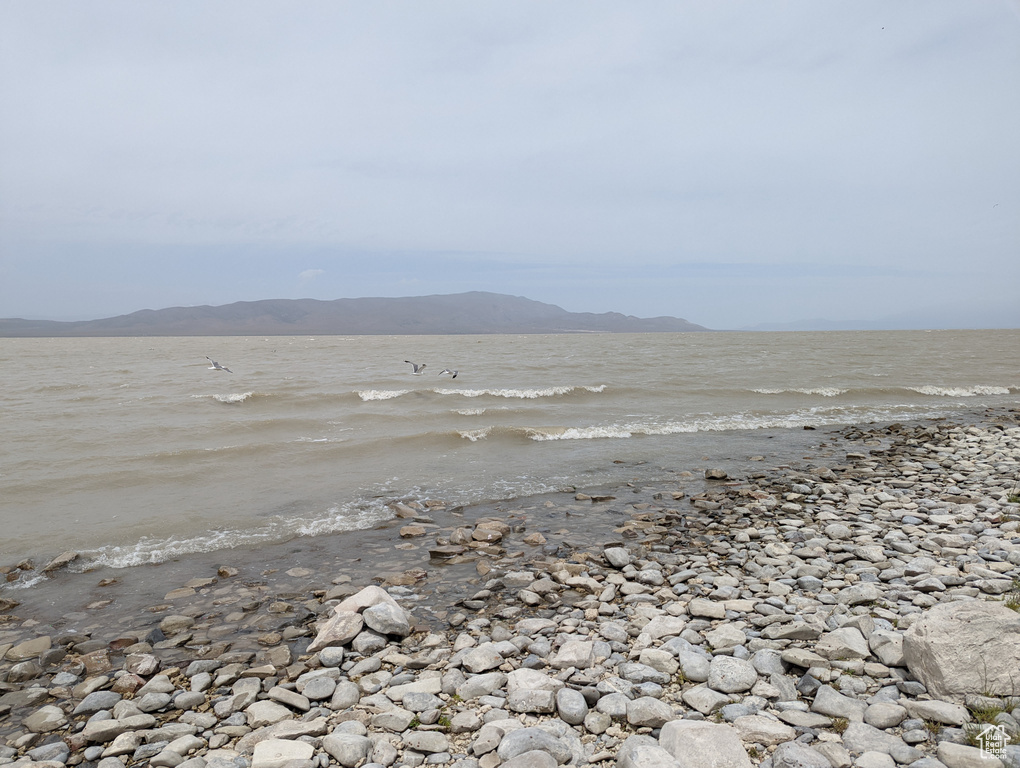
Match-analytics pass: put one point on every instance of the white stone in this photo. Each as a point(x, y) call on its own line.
point(961, 647)
point(275, 753)
point(701, 744)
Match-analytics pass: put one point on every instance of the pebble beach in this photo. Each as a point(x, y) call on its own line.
point(858, 607)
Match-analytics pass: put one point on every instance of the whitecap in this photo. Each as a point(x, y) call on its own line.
point(821, 391)
point(381, 394)
point(233, 398)
point(972, 391)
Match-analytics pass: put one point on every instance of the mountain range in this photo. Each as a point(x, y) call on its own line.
point(462, 313)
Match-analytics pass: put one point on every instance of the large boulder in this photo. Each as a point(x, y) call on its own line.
point(701, 744)
point(963, 647)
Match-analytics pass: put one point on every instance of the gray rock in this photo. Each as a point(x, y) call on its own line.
point(427, 741)
point(571, 706)
point(387, 619)
point(46, 719)
point(579, 654)
point(96, 701)
point(700, 744)
point(277, 753)
point(533, 759)
point(646, 712)
point(348, 749)
point(694, 666)
point(338, 630)
point(266, 712)
point(345, 695)
point(961, 756)
point(420, 701)
point(875, 760)
point(731, 675)
point(318, 688)
point(887, 647)
point(859, 737)
point(332, 656)
point(843, 643)
point(939, 711)
point(704, 699)
point(796, 755)
point(829, 701)
point(482, 658)
point(884, 715)
point(56, 752)
point(965, 647)
point(153, 702)
point(643, 752)
point(534, 701)
point(527, 739)
point(481, 685)
point(618, 557)
point(759, 729)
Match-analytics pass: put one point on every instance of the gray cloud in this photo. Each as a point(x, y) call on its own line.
point(730, 163)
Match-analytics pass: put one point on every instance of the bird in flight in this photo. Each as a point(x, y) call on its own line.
point(216, 366)
point(447, 370)
point(418, 367)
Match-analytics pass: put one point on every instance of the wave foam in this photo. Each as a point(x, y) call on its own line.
point(972, 391)
point(381, 394)
point(151, 550)
point(475, 435)
point(823, 391)
point(522, 394)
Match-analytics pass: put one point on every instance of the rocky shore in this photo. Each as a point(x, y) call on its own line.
point(860, 609)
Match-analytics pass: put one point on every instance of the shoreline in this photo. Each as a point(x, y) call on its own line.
point(469, 588)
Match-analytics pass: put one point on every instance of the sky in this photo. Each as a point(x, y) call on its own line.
point(732, 163)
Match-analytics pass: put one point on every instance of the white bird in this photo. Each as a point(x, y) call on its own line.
point(418, 367)
point(216, 366)
point(447, 370)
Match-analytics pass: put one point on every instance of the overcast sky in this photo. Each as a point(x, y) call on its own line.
point(731, 163)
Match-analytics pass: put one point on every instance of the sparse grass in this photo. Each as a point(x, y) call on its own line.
point(933, 728)
point(1012, 599)
point(753, 753)
point(681, 678)
point(971, 732)
point(415, 722)
point(986, 714)
point(840, 724)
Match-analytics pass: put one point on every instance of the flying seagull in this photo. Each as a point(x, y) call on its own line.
point(418, 367)
point(447, 370)
point(216, 366)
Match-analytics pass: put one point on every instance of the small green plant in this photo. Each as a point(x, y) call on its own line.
point(753, 753)
point(840, 724)
point(681, 678)
point(986, 714)
point(1012, 600)
point(415, 722)
point(444, 720)
point(934, 728)
point(972, 733)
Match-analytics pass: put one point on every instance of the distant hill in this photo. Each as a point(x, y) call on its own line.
point(475, 312)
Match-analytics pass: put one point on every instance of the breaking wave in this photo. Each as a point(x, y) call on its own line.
point(972, 391)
